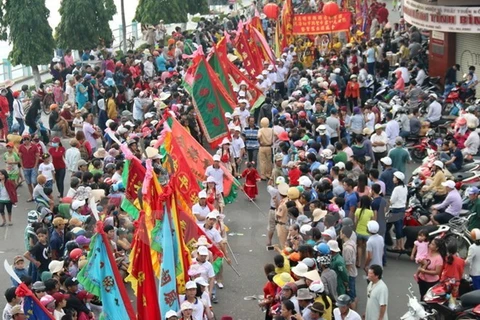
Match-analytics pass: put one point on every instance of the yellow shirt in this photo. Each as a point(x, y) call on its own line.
point(327, 315)
point(286, 266)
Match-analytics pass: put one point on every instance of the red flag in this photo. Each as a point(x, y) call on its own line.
point(249, 62)
point(142, 270)
point(287, 23)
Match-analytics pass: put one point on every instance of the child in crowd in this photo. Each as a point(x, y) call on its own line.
point(19, 269)
point(420, 250)
point(47, 169)
point(251, 178)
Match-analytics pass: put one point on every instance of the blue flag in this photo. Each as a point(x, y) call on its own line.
point(168, 298)
point(33, 311)
point(99, 278)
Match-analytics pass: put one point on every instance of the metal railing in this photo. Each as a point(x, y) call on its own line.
point(21, 72)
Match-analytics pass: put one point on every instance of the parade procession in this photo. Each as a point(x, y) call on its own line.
point(278, 160)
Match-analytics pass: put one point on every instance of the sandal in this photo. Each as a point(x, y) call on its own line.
point(2, 225)
point(10, 224)
point(30, 200)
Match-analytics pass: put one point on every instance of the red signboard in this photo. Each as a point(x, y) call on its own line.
point(318, 23)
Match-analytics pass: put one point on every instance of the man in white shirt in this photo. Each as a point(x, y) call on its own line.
point(421, 76)
point(89, 131)
point(405, 73)
point(343, 311)
point(216, 172)
point(379, 143)
point(70, 89)
point(434, 109)
point(200, 210)
point(244, 113)
point(375, 244)
point(237, 148)
point(190, 301)
point(392, 129)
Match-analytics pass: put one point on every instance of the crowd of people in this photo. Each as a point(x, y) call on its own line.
point(335, 169)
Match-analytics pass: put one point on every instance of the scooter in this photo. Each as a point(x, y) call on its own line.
point(437, 302)
point(419, 151)
point(416, 311)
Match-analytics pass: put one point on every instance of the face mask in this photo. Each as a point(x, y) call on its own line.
point(54, 144)
point(287, 129)
point(48, 219)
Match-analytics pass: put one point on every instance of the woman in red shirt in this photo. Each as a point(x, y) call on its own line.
point(269, 291)
point(452, 269)
point(353, 91)
point(57, 152)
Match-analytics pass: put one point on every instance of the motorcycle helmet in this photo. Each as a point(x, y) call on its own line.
point(75, 254)
point(475, 234)
point(317, 287)
point(323, 168)
point(343, 300)
point(461, 121)
point(323, 248)
point(32, 216)
point(71, 245)
point(347, 222)
point(324, 260)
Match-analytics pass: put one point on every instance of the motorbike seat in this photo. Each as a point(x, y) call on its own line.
point(464, 212)
point(471, 299)
point(459, 176)
point(467, 167)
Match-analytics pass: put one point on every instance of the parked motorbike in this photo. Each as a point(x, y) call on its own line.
point(436, 301)
point(416, 310)
point(419, 151)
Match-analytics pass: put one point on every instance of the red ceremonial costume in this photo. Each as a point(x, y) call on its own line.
point(251, 177)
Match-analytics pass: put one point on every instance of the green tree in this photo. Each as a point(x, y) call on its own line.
point(197, 6)
point(25, 25)
point(152, 11)
point(84, 23)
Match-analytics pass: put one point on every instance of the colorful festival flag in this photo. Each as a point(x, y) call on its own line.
point(141, 269)
point(198, 159)
point(210, 103)
point(249, 61)
point(101, 277)
point(287, 23)
point(133, 173)
point(219, 68)
point(32, 307)
point(167, 296)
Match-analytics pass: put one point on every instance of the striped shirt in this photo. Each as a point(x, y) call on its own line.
point(251, 138)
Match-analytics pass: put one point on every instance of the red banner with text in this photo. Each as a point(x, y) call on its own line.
point(318, 23)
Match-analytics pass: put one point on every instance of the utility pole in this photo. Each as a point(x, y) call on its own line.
point(124, 27)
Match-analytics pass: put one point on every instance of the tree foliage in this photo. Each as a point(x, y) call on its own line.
point(25, 24)
point(152, 11)
point(197, 6)
point(85, 23)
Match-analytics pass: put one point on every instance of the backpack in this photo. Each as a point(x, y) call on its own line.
point(83, 151)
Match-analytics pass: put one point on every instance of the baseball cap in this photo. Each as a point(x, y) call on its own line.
point(202, 194)
point(82, 295)
point(58, 296)
point(170, 314)
point(81, 162)
point(70, 282)
point(387, 161)
point(340, 165)
point(216, 157)
point(473, 190)
point(82, 240)
point(449, 184)
point(191, 285)
point(202, 251)
point(18, 258)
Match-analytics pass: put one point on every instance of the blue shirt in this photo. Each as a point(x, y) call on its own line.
point(458, 158)
point(387, 178)
point(161, 63)
point(314, 165)
point(251, 138)
point(57, 242)
point(350, 201)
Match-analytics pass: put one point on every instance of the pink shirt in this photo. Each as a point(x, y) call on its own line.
point(68, 61)
point(434, 262)
point(422, 250)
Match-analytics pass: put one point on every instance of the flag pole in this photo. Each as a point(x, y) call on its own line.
point(238, 274)
point(233, 254)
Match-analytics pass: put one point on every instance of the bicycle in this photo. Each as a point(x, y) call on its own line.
point(130, 43)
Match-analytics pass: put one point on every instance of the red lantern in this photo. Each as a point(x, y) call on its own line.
point(331, 9)
point(271, 10)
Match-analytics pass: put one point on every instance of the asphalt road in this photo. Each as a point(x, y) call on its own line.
point(249, 224)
